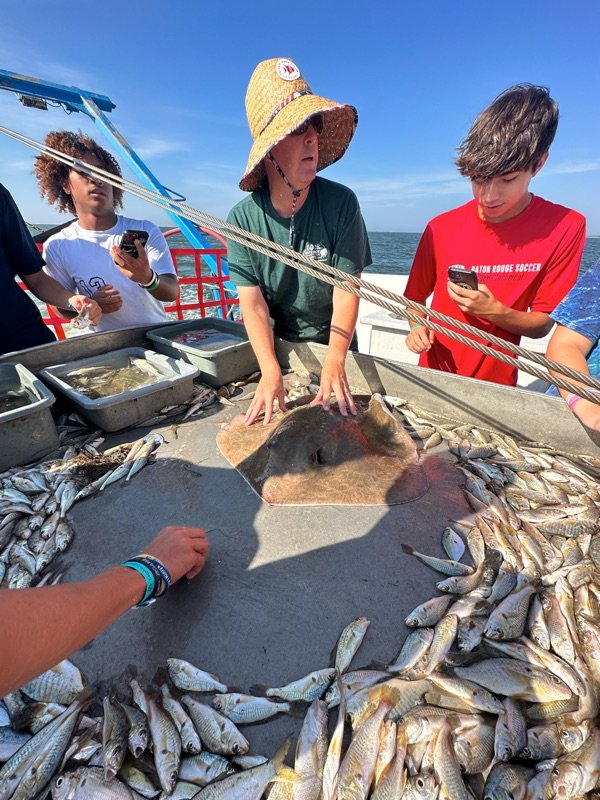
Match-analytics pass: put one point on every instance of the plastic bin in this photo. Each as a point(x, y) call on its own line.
point(28, 432)
point(118, 411)
point(225, 356)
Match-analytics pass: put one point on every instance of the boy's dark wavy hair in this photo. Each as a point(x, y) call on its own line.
point(52, 175)
point(512, 134)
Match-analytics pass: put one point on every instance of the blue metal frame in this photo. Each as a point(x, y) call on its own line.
point(95, 106)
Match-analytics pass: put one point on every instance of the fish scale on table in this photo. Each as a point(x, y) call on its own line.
point(529, 694)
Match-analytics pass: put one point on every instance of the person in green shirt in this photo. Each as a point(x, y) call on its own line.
point(296, 134)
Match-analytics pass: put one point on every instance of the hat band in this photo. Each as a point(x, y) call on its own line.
point(282, 105)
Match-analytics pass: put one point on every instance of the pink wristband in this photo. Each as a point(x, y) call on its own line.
point(572, 400)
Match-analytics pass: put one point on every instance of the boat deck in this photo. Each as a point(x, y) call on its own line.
point(281, 582)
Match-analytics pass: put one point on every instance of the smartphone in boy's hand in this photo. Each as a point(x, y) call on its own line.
point(127, 242)
point(467, 278)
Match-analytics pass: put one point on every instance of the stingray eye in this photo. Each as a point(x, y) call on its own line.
point(318, 457)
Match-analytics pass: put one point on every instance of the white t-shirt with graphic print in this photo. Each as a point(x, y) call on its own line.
point(81, 261)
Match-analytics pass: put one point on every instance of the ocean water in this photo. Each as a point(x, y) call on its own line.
point(393, 253)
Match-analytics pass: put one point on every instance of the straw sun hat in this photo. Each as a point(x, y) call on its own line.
point(278, 100)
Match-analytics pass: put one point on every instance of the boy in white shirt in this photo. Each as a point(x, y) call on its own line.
point(86, 257)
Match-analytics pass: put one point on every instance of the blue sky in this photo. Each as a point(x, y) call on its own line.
point(418, 74)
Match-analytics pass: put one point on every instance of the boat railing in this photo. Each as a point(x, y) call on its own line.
point(208, 293)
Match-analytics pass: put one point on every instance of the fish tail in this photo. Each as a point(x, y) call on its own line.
point(285, 775)
point(282, 772)
point(406, 548)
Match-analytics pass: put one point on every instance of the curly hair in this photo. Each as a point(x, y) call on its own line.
point(511, 134)
point(53, 175)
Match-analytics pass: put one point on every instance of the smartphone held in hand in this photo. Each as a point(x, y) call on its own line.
point(466, 278)
point(127, 242)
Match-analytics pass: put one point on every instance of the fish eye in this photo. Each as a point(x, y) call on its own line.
point(420, 783)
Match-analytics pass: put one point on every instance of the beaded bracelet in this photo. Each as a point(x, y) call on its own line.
point(148, 576)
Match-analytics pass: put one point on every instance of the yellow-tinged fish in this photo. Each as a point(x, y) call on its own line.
point(471, 693)
point(507, 782)
point(516, 679)
point(334, 751)
point(474, 745)
point(415, 646)
point(443, 639)
point(391, 785)
point(358, 766)
point(349, 642)
point(447, 767)
point(511, 731)
point(428, 613)
point(387, 749)
point(578, 772)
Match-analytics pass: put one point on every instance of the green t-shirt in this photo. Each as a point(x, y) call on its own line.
point(328, 227)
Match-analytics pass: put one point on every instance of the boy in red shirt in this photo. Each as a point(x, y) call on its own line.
point(525, 250)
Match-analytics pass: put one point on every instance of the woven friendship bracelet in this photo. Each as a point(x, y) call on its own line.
point(148, 576)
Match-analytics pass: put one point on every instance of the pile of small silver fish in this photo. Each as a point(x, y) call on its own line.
point(493, 695)
point(34, 502)
point(105, 380)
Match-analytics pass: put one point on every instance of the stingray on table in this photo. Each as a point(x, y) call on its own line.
point(309, 456)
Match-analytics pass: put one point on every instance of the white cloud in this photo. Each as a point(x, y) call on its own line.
point(572, 169)
point(154, 148)
point(389, 191)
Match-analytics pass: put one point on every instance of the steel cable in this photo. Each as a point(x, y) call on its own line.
point(336, 277)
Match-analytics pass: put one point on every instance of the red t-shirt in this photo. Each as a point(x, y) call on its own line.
point(528, 262)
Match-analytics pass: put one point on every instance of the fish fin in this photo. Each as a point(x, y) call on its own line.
point(161, 676)
point(297, 709)
point(87, 696)
point(279, 757)
point(285, 775)
point(259, 690)
point(332, 656)
point(378, 666)
point(234, 688)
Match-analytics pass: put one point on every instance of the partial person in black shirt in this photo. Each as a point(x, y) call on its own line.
point(21, 324)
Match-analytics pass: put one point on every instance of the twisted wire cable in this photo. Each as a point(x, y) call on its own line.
point(336, 277)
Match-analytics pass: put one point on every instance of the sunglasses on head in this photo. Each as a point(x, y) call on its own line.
point(316, 121)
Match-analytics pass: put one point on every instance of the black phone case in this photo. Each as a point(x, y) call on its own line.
point(128, 241)
point(466, 279)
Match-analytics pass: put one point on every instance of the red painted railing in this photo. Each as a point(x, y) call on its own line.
point(215, 296)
